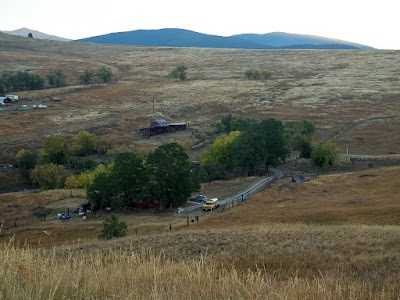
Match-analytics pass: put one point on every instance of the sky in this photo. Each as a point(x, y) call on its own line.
point(368, 22)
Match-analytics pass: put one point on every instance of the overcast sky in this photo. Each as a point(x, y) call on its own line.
point(369, 22)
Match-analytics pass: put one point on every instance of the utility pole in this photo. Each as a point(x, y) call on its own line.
point(154, 97)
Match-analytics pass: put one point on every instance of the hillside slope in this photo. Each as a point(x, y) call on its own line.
point(302, 41)
point(36, 34)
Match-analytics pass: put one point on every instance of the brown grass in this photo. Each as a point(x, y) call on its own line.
point(367, 197)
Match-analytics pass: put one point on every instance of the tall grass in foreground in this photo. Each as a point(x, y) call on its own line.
point(118, 274)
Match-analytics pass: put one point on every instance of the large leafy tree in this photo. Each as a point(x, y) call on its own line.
point(57, 78)
point(170, 179)
point(55, 150)
point(271, 146)
point(218, 153)
point(84, 143)
point(129, 177)
point(49, 176)
point(102, 190)
point(125, 181)
point(244, 153)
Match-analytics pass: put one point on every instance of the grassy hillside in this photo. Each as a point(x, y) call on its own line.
point(332, 237)
point(332, 88)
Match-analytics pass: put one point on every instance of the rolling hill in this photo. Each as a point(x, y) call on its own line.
point(36, 34)
point(301, 41)
point(171, 37)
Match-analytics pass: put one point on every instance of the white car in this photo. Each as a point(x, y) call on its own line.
point(180, 210)
point(39, 106)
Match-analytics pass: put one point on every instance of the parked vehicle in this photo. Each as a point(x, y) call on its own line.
point(199, 198)
point(180, 210)
point(39, 106)
point(211, 204)
point(13, 97)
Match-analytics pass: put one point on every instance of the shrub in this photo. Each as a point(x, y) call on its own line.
point(113, 228)
point(325, 154)
point(49, 176)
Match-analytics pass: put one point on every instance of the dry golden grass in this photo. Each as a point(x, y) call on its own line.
point(368, 197)
point(271, 262)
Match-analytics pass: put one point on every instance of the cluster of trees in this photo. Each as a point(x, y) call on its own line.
point(103, 73)
point(247, 152)
point(20, 81)
point(247, 147)
point(163, 179)
point(24, 81)
point(46, 168)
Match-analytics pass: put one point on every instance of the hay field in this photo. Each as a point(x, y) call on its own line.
point(332, 88)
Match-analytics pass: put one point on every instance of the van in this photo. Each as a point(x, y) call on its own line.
point(211, 204)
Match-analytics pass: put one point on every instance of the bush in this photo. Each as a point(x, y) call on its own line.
point(257, 74)
point(113, 228)
point(179, 73)
point(49, 176)
point(325, 154)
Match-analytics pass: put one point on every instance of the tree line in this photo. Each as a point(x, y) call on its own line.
point(24, 81)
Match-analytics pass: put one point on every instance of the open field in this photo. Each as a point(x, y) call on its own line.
point(332, 88)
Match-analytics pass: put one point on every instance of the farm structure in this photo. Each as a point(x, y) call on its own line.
point(161, 126)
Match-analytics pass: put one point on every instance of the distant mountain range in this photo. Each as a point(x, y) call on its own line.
point(174, 37)
point(171, 37)
point(35, 34)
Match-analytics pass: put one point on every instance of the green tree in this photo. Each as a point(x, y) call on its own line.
point(101, 191)
point(85, 178)
point(26, 161)
point(55, 150)
point(86, 77)
point(56, 78)
point(104, 73)
point(245, 156)
point(303, 144)
point(325, 155)
point(229, 123)
point(84, 143)
point(218, 153)
point(49, 176)
point(170, 179)
point(272, 146)
point(129, 176)
point(113, 228)
point(179, 73)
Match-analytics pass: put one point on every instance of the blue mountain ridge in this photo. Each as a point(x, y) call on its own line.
point(175, 37)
